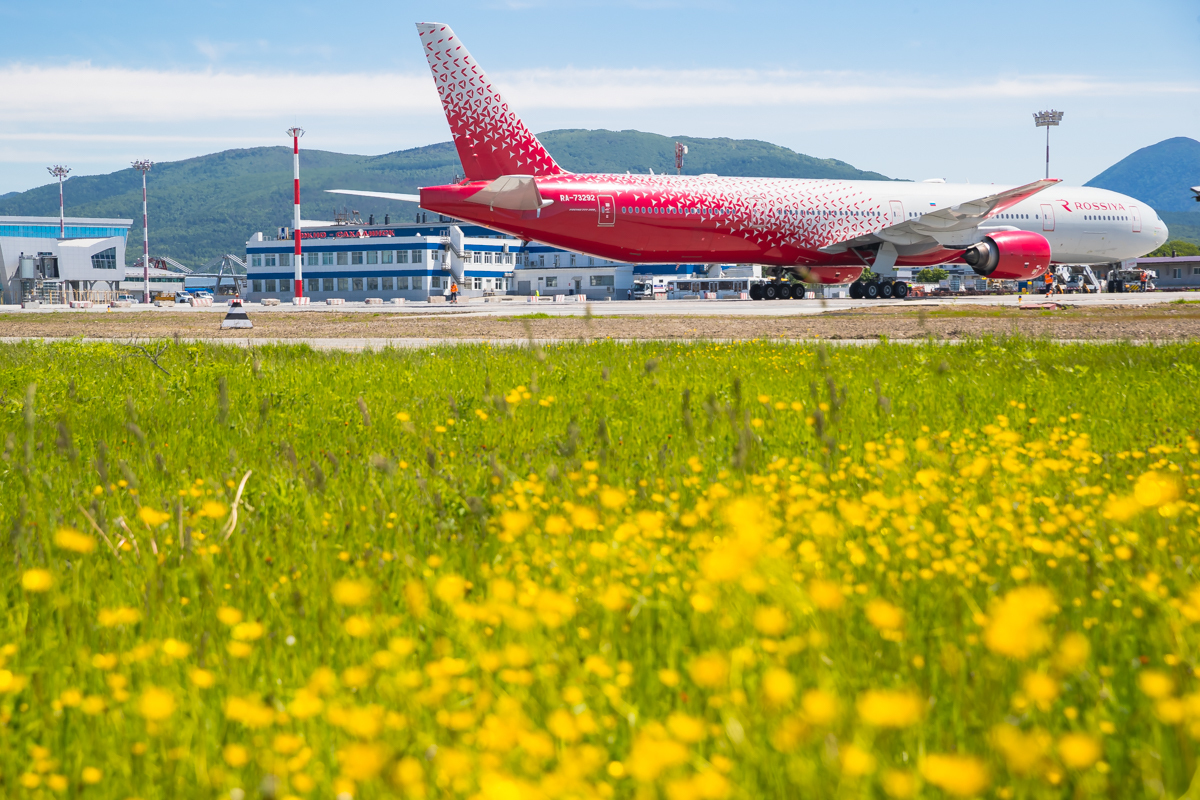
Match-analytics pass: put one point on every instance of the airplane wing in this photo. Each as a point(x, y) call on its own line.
point(512, 192)
point(948, 226)
point(408, 198)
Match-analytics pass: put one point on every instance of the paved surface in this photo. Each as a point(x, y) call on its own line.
point(641, 308)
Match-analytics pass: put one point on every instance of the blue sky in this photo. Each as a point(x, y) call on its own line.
point(910, 89)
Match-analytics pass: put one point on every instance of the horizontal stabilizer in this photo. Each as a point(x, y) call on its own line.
point(407, 198)
point(512, 192)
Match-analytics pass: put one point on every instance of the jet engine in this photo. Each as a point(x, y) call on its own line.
point(1009, 255)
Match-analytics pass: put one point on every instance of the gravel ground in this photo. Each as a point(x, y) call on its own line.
point(1157, 322)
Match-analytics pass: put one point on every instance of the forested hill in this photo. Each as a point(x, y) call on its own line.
point(1160, 175)
point(203, 207)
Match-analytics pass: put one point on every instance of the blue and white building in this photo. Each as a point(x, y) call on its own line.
point(86, 261)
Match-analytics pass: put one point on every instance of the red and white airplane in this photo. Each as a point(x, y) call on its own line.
point(823, 231)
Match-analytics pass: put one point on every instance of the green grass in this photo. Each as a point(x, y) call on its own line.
point(642, 570)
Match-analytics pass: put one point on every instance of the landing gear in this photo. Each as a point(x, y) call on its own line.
point(856, 290)
point(870, 290)
point(785, 291)
point(770, 291)
point(756, 292)
point(885, 290)
point(899, 290)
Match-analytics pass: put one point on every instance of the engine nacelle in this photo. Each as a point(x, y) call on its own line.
point(1009, 255)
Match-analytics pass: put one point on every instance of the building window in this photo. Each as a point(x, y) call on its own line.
point(372, 284)
point(256, 261)
point(270, 282)
point(418, 282)
point(387, 279)
point(552, 282)
point(572, 259)
point(358, 284)
point(269, 260)
point(310, 259)
point(386, 256)
point(556, 255)
point(314, 284)
point(435, 282)
point(601, 280)
point(1177, 273)
point(508, 258)
point(372, 257)
point(285, 260)
point(257, 286)
point(356, 258)
point(105, 259)
point(541, 260)
point(326, 259)
point(401, 256)
point(477, 258)
point(1196, 270)
point(328, 284)
point(417, 256)
point(343, 259)
point(591, 261)
point(343, 284)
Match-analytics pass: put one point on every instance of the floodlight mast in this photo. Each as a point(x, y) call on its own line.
point(1047, 119)
point(60, 172)
point(296, 133)
point(143, 167)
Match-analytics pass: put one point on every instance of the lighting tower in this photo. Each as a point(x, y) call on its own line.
point(60, 172)
point(296, 133)
point(680, 152)
point(143, 167)
point(1047, 120)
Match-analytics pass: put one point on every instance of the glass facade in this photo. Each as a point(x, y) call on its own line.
point(105, 259)
point(51, 231)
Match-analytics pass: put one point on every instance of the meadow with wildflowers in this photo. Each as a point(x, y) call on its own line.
point(681, 571)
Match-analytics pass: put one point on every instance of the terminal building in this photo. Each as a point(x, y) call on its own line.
point(85, 262)
point(418, 260)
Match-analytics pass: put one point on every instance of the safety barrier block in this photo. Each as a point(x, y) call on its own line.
point(197, 302)
point(335, 301)
point(270, 301)
point(300, 301)
point(81, 304)
point(374, 301)
point(397, 301)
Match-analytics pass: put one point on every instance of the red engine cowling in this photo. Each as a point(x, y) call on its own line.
point(1009, 255)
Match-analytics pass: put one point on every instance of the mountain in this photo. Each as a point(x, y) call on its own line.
point(1159, 175)
point(203, 207)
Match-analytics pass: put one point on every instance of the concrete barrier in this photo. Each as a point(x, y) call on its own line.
point(335, 301)
point(270, 301)
point(120, 304)
point(710, 295)
point(374, 301)
point(81, 304)
point(397, 301)
point(437, 298)
point(164, 303)
point(197, 302)
point(300, 301)
point(32, 304)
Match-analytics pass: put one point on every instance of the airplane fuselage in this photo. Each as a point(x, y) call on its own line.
point(797, 224)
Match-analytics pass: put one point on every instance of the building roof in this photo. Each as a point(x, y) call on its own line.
point(84, 242)
point(1167, 260)
point(86, 221)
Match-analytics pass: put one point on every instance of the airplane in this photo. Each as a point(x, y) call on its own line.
point(821, 231)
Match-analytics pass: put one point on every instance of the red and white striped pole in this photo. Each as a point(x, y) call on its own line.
point(296, 133)
point(143, 167)
point(60, 172)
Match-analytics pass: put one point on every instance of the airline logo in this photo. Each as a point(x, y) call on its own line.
point(1082, 206)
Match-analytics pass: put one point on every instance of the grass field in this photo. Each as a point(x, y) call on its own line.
point(692, 572)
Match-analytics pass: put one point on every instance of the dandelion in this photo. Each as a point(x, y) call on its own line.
point(351, 593)
point(613, 499)
point(1154, 684)
point(358, 626)
point(213, 509)
point(1040, 688)
point(156, 704)
point(91, 776)
point(112, 617)
point(820, 707)
point(450, 589)
point(247, 631)
point(36, 580)
point(890, 709)
point(885, 616)
point(73, 540)
point(229, 616)
point(685, 728)
point(778, 686)
point(768, 620)
point(710, 670)
point(1016, 628)
point(235, 755)
point(173, 648)
point(201, 678)
point(668, 678)
point(1078, 750)
point(152, 517)
point(361, 762)
point(961, 776)
point(856, 761)
point(826, 595)
point(899, 784)
point(1073, 653)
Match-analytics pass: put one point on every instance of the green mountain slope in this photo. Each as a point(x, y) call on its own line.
point(203, 207)
point(1159, 175)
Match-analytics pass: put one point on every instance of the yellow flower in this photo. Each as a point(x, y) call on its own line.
point(36, 580)
point(70, 698)
point(899, 784)
point(305, 704)
point(92, 705)
point(91, 776)
point(890, 709)
point(710, 670)
point(235, 755)
point(1073, 652)
point(1155, 684)
point(770, 620)
point(1078, 750)
point(1016, 629)
point(152, 517)
point(856, 761)
point(112, 617)
point(156, 704)
point(1024, 752)
point(247, 631)
point(213, 509)
point(229, 616)
point(1155, 489)
point(820, 707)
point(702, 603)
point(885, 616)
point(612, 499)
point(1040, 688)
point(71, 539)
point(358, 627)
point(514, 523)
point(826, 595)
point(361, 762)
point(584, 517)
point(174, 648)
point(351, 593)
point(201, 678)
point(961, 776)
point(685, 728)
point(668, 677)
point(450, 589)
point(649, 757)
point(778, 686)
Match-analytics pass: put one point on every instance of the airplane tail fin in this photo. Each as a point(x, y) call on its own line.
point(491, 139)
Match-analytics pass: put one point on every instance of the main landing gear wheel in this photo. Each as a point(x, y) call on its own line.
point(770, 292)
point(885, 289)
point(756, 292)
point(785, 292)
point(856, 290)
point(900, 290)
point(870, 290)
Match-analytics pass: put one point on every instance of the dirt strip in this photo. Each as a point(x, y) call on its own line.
point(1152, 323)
